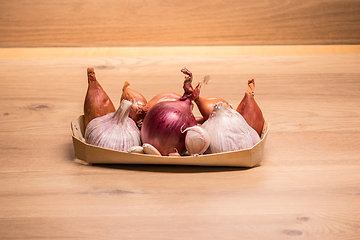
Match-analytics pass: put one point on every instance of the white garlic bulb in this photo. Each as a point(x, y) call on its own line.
point(197, 140)
point(228, 130)
point(114, 130)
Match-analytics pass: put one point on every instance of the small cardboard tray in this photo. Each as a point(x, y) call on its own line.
point(97, 155)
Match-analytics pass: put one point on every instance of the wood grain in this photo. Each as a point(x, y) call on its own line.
point(40, 23)
point(307, 187)
point(143, 51)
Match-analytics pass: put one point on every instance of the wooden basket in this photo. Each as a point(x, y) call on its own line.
point(97, 155)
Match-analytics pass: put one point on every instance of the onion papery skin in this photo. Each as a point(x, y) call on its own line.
point(137, 112)
point(162, 97)
point(164, 123)
point(250, 110)
point(97, 103)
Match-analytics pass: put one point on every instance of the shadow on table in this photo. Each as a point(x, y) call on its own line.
point(169, 168)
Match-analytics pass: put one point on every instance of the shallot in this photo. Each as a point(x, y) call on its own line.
point(250, 110)
point(206, 105)
point(97, 103)
point(137, 112)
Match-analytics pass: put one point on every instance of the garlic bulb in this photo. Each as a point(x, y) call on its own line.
point(197, 140)
point(115, 131)
point(228, 130)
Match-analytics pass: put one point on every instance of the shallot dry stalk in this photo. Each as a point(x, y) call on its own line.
point(206, 105)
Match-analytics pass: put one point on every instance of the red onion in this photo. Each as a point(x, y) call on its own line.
point(164, 124)
point(250, 110)
point(167, 96)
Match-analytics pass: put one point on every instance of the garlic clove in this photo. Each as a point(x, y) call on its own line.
point(150, 149)
point(136, 149)
point(197, 140)
point(175, 154)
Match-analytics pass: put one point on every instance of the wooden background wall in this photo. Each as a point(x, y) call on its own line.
point(34, 23)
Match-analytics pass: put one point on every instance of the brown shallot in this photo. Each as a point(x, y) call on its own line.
point(250, 110)
point(206, 105)
point(137, 112)
point(97, 103)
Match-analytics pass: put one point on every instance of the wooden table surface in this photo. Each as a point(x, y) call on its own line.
point(308, 186)
point(43, 23)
